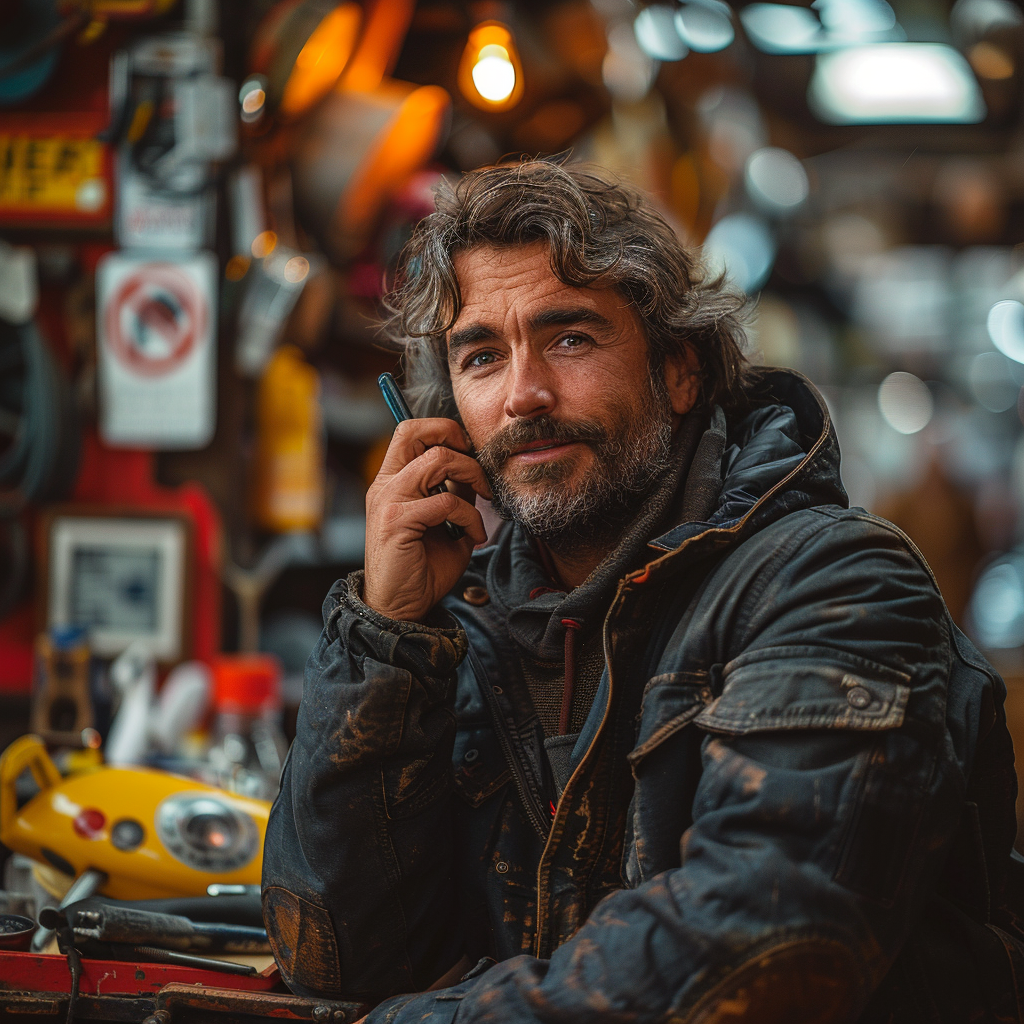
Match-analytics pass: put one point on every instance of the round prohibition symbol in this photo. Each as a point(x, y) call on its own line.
point(154, 318)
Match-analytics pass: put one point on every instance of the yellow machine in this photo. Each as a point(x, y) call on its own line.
point(153, 833)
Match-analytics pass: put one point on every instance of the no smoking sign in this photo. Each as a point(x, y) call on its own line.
point(154, 318)
point(155, 323)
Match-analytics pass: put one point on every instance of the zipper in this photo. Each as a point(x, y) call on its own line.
point(542, 870)
point(534, 811)
point(642, 576)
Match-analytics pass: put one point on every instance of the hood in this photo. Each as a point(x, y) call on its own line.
point(730, 480)
point(781, 457)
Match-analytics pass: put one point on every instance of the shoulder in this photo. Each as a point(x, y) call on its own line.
point(832, 532)
point(842, 578)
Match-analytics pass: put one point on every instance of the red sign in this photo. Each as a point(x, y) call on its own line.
point(154, 318)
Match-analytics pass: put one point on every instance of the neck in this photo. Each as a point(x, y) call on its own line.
point(571, 566)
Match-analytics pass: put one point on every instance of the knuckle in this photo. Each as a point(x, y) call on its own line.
point(391, 514)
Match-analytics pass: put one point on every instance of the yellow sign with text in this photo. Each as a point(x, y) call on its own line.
point(53, 176)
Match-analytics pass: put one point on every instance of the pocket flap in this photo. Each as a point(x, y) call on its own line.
point(479, 766)
point(670, 701)
point(782, 692)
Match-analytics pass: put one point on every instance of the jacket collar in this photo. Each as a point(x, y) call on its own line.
point(781, 457)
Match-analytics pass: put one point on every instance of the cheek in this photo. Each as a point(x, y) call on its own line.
point(474, 413)
point(618, 399)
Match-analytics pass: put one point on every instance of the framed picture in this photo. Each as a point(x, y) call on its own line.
point(122, 574)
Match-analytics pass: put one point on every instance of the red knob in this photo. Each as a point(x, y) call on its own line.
point(89, 823)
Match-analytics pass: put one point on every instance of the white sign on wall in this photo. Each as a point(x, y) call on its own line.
point(156, 324)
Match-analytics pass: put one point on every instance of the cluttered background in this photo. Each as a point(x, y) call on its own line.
point(200, 204)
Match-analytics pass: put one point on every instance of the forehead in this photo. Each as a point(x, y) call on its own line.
point(496, 282)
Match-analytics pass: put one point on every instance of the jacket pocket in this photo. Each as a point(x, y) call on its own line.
point(806, 688)
point(479, 767)
point(871, 788)
point(663, 791)
point(669, 703)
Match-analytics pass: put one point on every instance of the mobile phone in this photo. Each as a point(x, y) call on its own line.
point(400, 410)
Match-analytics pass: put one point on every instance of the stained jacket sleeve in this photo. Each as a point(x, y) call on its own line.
point(818, 831)
point(356, 874)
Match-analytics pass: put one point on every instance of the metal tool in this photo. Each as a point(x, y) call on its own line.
point(87, 884)
point(125, 924)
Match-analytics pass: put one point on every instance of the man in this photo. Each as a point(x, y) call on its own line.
point(689, 739)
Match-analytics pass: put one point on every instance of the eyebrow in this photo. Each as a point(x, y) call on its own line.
point(561, 316)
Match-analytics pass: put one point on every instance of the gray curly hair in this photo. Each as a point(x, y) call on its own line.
point(600, 231)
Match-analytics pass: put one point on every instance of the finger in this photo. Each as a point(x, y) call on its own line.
point(413, 437)
point(434, 467)
point(465, 492)
point(421, 514)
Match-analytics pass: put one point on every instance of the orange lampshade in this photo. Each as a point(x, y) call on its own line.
point(301, 48)
point(359, 148)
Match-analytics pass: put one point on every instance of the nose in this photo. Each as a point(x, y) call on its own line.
point(530, 390)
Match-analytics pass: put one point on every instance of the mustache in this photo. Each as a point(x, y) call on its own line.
point(496, 452)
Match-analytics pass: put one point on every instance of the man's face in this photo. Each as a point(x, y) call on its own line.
point(554, 389)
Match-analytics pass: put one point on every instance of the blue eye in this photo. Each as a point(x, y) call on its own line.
point(482, 359)
point(573, 340)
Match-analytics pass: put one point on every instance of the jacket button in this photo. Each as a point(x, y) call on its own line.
point(859, 698)
point(476, 595)
point(501, 867)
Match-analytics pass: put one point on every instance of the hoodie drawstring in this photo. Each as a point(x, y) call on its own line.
point(571, 629)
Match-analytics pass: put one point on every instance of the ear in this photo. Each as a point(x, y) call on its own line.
point(682, 380)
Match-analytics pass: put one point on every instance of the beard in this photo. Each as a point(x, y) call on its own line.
point(630, 453)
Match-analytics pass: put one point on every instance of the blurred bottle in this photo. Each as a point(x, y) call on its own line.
point(289, 470)
point(61, 689)
point(248, 747)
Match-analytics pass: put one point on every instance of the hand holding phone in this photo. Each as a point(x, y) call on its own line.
point(410, 564)
point(400, 410)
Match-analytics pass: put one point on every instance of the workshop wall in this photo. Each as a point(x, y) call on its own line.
point(200, 206)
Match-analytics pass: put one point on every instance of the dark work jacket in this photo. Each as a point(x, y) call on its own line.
point(793, 799)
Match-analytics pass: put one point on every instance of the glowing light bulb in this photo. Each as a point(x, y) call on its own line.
point(494, 75)
point(490, 74)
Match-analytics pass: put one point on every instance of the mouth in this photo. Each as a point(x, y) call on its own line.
point(540, 451)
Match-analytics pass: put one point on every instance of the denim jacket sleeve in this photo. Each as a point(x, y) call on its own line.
point(356, 874)
point(831, 787)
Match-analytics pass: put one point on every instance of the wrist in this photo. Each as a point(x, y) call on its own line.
point(377, 601)
point(438, 643)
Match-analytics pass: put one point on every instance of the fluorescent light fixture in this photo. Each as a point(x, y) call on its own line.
point(705, 25)
point(831, 25)
point(656, 33)
point(856, 19)
point(997, 605)
point(776, 180)
point(782, 28)
point(905, 402)
point(895, 83)
point(1006, 328)
point(742, 245)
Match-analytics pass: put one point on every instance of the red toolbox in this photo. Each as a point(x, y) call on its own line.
point(36, 987)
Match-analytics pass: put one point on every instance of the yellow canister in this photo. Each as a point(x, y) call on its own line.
point(289, 468)
point(154, 834)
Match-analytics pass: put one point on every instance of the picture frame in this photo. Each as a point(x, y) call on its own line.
point(123, 573)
